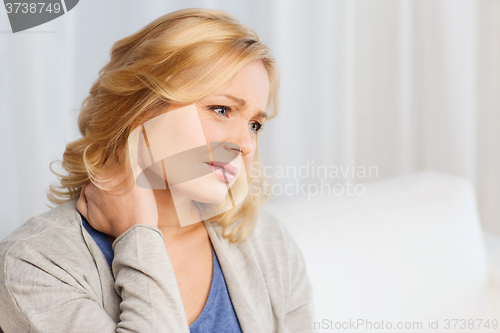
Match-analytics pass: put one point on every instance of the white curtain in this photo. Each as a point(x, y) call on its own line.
point(400, 85)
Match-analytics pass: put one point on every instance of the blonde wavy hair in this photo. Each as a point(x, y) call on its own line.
point(176, 59)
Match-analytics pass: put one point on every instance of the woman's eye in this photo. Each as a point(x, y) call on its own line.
point(256, 126)
point(221, 110)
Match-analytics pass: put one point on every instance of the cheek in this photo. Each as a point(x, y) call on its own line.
point(208, 130)
point(248, 158)
point(213, 131)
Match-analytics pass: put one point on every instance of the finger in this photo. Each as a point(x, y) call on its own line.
point(82, 193)
point(81, 204)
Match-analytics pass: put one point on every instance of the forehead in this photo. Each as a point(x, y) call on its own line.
point(251, 84)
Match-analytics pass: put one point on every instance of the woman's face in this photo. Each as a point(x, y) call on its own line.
point(236, 112)
point(209, 144)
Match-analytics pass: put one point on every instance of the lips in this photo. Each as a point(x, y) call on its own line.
point(224, 170)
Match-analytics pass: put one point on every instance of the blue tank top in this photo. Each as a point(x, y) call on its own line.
point(218, 315)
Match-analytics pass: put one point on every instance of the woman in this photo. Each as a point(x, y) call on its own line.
point(181, 101)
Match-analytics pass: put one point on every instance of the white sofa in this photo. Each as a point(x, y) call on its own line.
point(410, 250)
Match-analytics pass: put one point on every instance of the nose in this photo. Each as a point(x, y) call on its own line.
point(242, 137)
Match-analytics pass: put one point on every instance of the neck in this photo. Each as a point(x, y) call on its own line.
point(179, 219)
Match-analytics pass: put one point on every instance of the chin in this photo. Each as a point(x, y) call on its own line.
point(208, 189)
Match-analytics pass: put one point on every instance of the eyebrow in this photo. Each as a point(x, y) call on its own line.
point(242, 103)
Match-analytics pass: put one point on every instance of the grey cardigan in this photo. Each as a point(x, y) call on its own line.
point(54, 278)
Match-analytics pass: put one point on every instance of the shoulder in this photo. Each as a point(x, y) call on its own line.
point(268, 246)
point(50, 230)
point(54, 238)
point(45, 262)
point(59, 217)
point(284, 264)
point(271, 234)
point(281, 262)
point(45, 251)
point(276, 250)
point(50, 246)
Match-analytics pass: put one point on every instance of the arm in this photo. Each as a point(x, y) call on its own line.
point(38, 296)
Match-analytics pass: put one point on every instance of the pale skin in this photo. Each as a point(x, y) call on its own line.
point(234, 114)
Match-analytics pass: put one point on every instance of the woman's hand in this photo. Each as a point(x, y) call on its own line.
point(113, 212)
